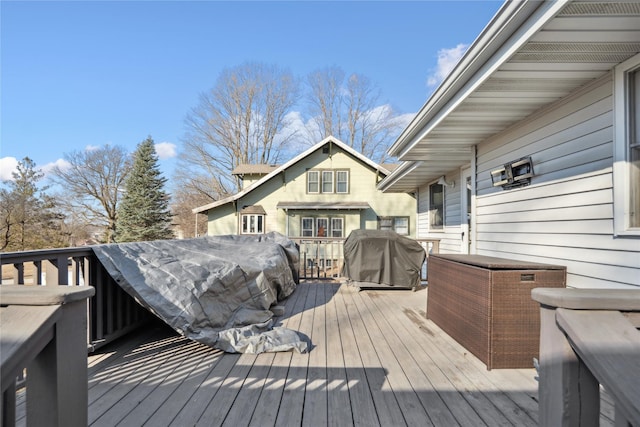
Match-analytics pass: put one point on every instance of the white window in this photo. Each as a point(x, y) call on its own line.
point(313, 178)
point(252, 224)
point(399, 224)
point(436, 206)
point(342, 182)
point(626, 169)
point(322, 227)
point(385, 223)
point(327, 181)
point(336, 227)
point(307, 227)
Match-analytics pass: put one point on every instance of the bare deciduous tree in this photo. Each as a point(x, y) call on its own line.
point(92, 181)
point(183, 217)
point(325, 98)
point(348, 107)
point(242, 119)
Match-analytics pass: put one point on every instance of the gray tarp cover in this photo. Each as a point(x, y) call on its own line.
point(215, 290)
point(382, 257)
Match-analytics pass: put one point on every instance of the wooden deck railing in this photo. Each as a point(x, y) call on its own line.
point(588, 338)
point(112, 312)
point(43, 330)
point(320, 257)
point(323, 257)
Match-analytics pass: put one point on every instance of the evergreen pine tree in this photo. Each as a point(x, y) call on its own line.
point(29, 219)
point(143, 213)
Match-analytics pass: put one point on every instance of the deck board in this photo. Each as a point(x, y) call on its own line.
point(425, 370)
point(268, 404)
point(414, 360)
point(339, 407)
point(399, 384)
point(314, 388)
point(453, 372)
point(361, 398)
point(387, 407)
point(375, 360)
point(454, 364)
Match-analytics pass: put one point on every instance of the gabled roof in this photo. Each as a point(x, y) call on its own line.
point(373, 165)
point(531, 54)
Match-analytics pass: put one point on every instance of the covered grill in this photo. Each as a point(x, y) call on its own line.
point(381, 257)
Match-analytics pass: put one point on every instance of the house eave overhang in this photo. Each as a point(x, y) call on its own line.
point(323, 205)
point(530, 55)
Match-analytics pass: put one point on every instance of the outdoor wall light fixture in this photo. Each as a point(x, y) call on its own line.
point(513, 174)
point(443, 181)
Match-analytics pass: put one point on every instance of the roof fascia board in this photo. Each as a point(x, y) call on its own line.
point(215, 204)
point(400, 172)
point(510, 29)
point(464, 65)
point(360, 156)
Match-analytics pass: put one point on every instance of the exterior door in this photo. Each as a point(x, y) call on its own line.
point(465, 217)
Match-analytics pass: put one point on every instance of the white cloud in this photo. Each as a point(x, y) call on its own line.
point(165, 150)
point(8, 165)
point(378, 113)
point(92, 147)
point(61, 163)
point(403, 120)
point(298, 133)
point(447, 59)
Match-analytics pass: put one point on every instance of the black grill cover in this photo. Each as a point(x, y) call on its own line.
point(382, 257)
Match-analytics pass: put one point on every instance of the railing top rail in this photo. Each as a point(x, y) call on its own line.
point(43, 254)
point(318, 239)
point(43, 295)
point(589, 299)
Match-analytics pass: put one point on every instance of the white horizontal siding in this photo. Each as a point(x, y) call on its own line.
point(586, 227)
point(422, 216)
point(580, 274)
point(566, 216)
point(573, 138)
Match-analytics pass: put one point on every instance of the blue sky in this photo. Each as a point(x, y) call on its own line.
point(83, 74)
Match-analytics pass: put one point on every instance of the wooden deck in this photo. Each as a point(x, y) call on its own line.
point(375, 360)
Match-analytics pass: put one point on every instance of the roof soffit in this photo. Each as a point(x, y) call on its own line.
point(566, 50)
point(569, 48)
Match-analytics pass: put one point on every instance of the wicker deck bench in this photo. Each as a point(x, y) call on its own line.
point(485, 304)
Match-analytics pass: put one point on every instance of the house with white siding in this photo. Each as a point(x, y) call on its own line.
point(530, 147)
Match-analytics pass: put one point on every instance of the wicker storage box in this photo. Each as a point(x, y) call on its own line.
point(485, 304)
